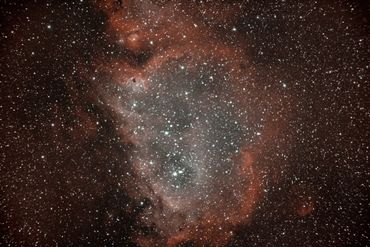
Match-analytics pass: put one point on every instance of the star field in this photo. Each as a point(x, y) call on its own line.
point(184, 123)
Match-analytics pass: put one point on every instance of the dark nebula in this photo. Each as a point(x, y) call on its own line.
point(184, 123)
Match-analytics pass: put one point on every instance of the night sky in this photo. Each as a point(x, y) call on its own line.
point(184, 123)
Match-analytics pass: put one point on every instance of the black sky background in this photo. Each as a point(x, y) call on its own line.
point(320, 50)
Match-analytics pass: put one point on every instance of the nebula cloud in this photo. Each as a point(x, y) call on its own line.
point(196, 120)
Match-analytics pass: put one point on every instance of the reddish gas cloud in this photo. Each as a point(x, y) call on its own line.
point(158, 39)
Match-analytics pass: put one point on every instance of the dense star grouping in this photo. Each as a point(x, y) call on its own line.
point(189, 124)
point(184, 123)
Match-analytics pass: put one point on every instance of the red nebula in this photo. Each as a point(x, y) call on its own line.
point(155, 38)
